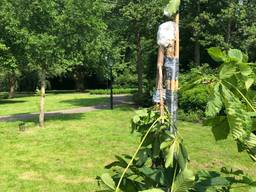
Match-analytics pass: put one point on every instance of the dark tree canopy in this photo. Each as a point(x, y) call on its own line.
point(71, 38)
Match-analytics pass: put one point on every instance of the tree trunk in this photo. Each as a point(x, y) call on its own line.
point(197, 56)
point(12, 83)
point(79, 77)
point(197, 53)
point(228, 34)
point(139, 64)
point(42, 96)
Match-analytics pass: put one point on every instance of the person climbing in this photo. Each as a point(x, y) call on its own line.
point(168, 68)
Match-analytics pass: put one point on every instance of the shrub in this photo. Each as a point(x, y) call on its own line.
point(3, 95)
point(142, 100)
point(194, 99)
point(191, 116)
point(115, 91)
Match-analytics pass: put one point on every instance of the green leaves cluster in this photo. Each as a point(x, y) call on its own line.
point(212, 181)
point(160, 162)
point(232, 109)
point(172, 7)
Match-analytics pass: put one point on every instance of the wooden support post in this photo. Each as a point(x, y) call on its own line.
point(177, 46)
point(160, 63)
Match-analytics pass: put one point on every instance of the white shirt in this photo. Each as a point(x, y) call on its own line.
point(166, 33)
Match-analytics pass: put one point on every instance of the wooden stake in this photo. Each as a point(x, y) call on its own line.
point(160, 63)
point(177, 47)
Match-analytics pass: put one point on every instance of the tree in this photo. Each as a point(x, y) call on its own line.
point(12, 39)
point(216, 23)
point(41, 20)
point(84, 37)
point(9, 68)
point(139, 21)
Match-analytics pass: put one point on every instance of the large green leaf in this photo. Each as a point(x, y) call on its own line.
point(172, 7)
point(184, 181)
point(174, 150)
point(158, 176)
point(238, 121)
point(227, 70)
point(121, 162)
point(245, 69)
point(209, 180)
point(182, 161)
point(248, 83)
point(108, 181)
point(250, 143)
point(143, 156)
point(156, 147)
point(215, 104)
point(220, 127)
point(184, 151)
point(170, 156)
point(217, 54)
point(166, 144)
point(235, 55)
point(236, 124)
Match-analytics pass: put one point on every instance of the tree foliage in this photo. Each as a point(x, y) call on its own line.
point(231, 109)
point(159, 163)
point(12, 45)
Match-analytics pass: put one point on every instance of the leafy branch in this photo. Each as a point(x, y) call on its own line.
point(159, 163)
point(135, 154)
point(230, 109)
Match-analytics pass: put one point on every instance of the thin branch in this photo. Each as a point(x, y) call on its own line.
point(135, 154)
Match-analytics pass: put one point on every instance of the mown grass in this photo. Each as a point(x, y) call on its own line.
point(53, 101)
point(72, 150)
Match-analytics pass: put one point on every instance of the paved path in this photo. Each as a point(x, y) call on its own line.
point(118, 100)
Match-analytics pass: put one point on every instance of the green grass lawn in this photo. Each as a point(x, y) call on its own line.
point(72, 150)
point(53, 101)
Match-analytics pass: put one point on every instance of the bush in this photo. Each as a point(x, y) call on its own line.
point(194, 99)
point(4, 95)
point(115, 91)
point(142, 100)
point(192, 102)
point(145, 99)
point(191, 116)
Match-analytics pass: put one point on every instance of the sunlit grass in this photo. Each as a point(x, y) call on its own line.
point(30, 104)
point(72, 150)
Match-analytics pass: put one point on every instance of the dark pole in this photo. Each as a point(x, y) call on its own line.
point(111, 88)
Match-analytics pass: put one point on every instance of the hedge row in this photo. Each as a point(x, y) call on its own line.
point(115, 91)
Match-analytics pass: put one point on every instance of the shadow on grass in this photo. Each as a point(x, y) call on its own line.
point(77, 116)
point(125, 107)
point(56, 117)
point(86, 101)
point(121, 103)
point(8, 101)
point(27, 117)
point(56, 92)
point(65, 117)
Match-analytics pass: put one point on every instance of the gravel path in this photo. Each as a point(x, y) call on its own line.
point(118, 100)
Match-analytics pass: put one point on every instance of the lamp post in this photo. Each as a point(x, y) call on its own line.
point(111, 86)
point(110, 63)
